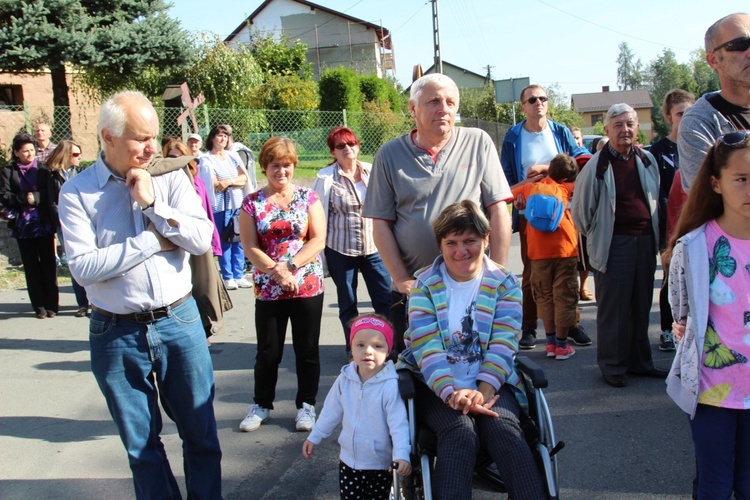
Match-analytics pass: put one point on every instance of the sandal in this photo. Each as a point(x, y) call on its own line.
point(586, 294)
point(81, 312)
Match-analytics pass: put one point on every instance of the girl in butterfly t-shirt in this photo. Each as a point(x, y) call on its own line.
point(709, 285)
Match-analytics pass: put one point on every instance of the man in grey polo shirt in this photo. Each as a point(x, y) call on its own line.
point(417, 175)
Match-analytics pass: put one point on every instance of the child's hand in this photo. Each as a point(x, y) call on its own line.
point(678, 330)
point(403, 469)
point(307, 448)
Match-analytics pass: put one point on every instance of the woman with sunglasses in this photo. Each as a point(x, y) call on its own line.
point(32, 229)
point(350, 248)
point(62, 164)
point(710, 297)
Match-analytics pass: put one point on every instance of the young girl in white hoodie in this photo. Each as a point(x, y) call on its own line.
point(709, 285)
point(365, 399)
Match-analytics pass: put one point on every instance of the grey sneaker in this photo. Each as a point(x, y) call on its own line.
point(256, 415)
point(667, 341)
point(528, 338)
point(305, 418)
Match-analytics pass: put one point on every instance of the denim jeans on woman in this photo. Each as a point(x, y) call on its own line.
point(232, 258)
point(344, 272)
point(136, 365)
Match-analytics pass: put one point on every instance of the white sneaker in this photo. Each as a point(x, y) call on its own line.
point(305, 418)
point(243, 283)
point(256, 415)
point(230, 284)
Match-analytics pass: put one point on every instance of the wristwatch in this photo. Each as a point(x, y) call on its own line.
point(291, 265)
point(151, 205)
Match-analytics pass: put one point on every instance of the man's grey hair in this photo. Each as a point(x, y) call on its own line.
point(437, 79)
point(618, 109)
point(112, 116)
point(709, 40)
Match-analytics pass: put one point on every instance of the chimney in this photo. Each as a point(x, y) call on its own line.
point(605, 88)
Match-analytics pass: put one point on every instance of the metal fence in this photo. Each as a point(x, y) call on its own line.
point(252, 127)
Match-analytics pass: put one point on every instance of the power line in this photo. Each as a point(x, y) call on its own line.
point(610, 29)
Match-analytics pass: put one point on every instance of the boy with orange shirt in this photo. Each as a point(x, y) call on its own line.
point(554, 260)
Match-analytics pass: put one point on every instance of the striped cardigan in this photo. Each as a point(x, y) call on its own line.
point(498, 321)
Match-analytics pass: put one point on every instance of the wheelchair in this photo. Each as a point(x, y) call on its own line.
point(537, 427)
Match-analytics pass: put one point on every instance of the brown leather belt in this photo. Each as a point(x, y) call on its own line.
point(144, 317)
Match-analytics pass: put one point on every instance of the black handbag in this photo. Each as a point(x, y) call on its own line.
point(231, 232)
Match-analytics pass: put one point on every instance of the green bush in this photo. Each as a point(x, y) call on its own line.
point(339, 89)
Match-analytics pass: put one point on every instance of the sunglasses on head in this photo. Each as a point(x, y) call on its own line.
point(351, 144)
point(76, 155)
point(533, 99)
point(173, 156)
point(740, 44)
point(734, 138)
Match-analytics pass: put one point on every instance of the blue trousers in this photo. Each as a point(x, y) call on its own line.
point(232, 258)
point(721, 437)
point(136, 366)
point(344, 272)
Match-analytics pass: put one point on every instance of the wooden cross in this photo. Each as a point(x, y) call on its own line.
point(190, 105)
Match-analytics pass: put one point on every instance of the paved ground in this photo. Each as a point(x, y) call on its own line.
point(57, 439)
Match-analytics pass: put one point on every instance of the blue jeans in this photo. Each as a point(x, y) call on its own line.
point(136, 365)
point(232, 258)
point(343, 270)
point(721, 437)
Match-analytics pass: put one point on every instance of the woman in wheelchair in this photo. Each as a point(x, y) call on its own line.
point(464, 319)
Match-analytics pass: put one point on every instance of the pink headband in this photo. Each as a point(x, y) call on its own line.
point(372, 323)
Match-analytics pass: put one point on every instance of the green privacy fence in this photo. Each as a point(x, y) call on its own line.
point(252, 127)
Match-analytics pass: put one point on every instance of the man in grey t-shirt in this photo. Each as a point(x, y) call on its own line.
point(417, 175)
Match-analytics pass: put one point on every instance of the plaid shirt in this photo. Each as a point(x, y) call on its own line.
point(348, 232)
point(43, 153)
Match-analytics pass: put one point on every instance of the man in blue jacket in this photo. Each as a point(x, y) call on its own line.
point(531, 143)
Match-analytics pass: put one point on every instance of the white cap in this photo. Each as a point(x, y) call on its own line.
point(197, 137)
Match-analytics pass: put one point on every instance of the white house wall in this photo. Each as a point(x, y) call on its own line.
point(337, 42)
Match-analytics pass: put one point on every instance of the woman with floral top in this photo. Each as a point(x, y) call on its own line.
point(282, 228)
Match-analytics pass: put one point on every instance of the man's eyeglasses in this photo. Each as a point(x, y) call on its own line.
point(734, 138)
point(75, 155)
point(740, 44)
point(343, 145)
point(533, 99)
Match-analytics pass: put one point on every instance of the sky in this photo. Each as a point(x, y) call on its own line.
point(573, 43)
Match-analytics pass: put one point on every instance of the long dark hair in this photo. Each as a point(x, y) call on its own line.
point(703, 203)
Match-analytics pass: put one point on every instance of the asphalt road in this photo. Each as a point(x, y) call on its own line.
point(57, 439)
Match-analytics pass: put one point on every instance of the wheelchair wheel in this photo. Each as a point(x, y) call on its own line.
point(547, 447)
point(416, 486)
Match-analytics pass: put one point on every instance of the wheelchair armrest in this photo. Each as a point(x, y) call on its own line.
point(406, 383)
point(532, 370)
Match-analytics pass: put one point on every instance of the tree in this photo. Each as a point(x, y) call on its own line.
point(705, 79)
point(559, 107)
point(116, 38)
point(281, 57)
point(662, 75)
point(629, 75)
point(339, 89)
point(479, 103)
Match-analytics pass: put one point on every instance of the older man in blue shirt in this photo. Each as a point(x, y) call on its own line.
point(128, 237)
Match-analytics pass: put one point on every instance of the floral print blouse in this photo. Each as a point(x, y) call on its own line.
point(281, 234)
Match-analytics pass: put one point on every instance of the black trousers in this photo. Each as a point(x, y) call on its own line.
point(271, 318)
point(38, 258)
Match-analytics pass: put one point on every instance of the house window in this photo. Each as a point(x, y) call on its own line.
point(596, 119)
point(11, 95)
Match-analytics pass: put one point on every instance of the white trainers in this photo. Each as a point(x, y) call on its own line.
point(243, 283)
point(230, 284)
point(305, 418)
point(256, 415)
